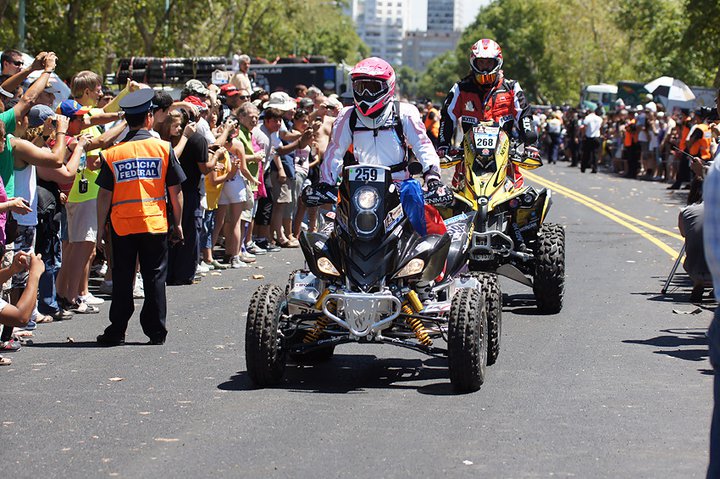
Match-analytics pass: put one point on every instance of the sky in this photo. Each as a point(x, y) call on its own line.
point(419, 9)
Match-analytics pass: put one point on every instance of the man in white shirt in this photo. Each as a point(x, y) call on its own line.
point(591, 125)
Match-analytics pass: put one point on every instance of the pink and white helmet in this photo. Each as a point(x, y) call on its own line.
point(373, 82)
point(482, 51)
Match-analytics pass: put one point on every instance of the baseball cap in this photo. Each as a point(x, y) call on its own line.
point(38, 114)
point(229, 90)
point(197, 102)
point(197, 87)
point(72, 108)
point(306, 102)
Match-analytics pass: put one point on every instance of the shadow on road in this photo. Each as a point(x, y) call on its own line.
point(521, 304)
point(678, 291)
point(78, 345)
point(689, 344)
point(355, 373)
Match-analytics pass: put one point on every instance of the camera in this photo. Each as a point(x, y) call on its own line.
point(188, 116)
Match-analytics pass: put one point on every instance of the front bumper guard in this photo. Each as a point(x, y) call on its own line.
point(363, 313)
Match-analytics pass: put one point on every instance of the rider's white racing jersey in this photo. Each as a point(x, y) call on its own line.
point(379, 147)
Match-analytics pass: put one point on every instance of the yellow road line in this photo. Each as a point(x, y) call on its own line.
point(558, 187)
point(610, 213)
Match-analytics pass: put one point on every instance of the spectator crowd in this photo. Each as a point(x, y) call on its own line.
point(639, 142)
point(246, 155)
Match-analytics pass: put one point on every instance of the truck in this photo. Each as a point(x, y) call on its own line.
point(283, 74)
point(329, 77)
point(592, 96)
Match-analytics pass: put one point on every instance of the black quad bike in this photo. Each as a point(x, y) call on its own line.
point(371, 278)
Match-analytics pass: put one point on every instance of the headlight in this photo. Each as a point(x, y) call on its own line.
point(413, 267)
point(366, 198)
point(326, 266)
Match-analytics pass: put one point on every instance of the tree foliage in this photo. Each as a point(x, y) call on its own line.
point(439, 77)
point(553, 48)
point(91, 34)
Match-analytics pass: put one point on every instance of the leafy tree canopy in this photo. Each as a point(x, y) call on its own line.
point(553, 48)
point(92, 34)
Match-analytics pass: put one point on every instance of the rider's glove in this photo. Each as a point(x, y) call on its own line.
point(532, 153)
point(438, 194)
point(320, 194)
point(442, 151)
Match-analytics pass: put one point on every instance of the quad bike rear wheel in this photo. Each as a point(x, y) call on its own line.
point(264, 354)
point(467, 340)
point(493, 302)
point(549, 277)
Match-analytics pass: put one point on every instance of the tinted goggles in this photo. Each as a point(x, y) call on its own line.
point(369, 86)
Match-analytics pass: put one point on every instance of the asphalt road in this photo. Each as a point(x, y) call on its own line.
point(616, 385)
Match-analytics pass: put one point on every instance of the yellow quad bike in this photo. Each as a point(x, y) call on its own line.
point(509, 234)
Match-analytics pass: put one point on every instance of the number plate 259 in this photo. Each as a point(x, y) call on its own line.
point(367, 174)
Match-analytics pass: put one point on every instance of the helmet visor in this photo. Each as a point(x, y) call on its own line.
point(367, 87)
point(484, 65)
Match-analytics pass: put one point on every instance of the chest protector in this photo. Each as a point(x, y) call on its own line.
point(138, 200)
point(498, 105)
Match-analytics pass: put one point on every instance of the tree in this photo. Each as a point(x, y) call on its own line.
point(91, 34)
point(407, 80)
point(438, 78)
point(550, 48)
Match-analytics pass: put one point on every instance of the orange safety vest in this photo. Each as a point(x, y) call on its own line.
point(630, 137)
point(683, 136)
point(702, 147)
point(432, 126)
point(138, 200)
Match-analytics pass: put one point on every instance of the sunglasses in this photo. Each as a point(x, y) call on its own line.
point(18, 63)
point(244, 97)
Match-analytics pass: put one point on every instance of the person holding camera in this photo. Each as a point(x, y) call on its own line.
point(133, 178)
point(184, 257)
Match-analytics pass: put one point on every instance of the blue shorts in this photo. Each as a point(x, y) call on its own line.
point(24, 242)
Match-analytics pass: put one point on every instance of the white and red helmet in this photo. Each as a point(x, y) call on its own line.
point(486, 71)
point(373, 83)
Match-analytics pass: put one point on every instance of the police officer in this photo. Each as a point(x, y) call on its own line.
point(133, 180)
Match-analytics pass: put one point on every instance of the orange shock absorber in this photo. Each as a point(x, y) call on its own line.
point(321, 323)
point(414, 305)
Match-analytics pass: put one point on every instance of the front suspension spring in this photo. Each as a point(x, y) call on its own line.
point(321, 323)
point(414, 305)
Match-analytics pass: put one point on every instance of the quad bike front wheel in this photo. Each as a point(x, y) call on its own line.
point(264, 355)
point(549, 277)
point(467, 340)
point(490, 286)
